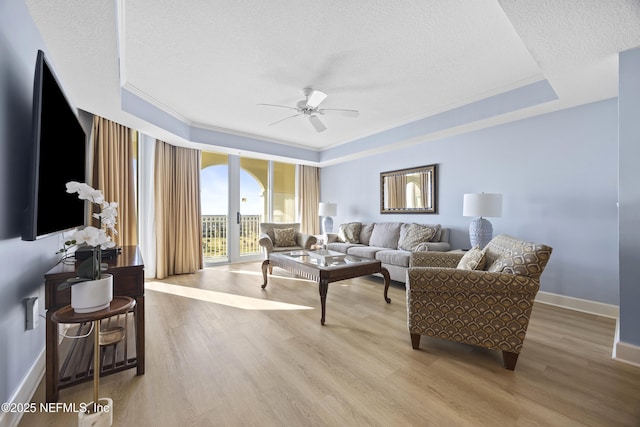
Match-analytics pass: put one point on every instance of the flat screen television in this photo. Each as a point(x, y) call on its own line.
point(58, 156)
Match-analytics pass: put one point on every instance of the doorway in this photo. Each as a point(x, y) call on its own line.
point(237, 194)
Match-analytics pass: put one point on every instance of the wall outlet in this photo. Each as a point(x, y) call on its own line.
point(32, 313)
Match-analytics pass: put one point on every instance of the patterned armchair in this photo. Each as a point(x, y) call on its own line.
point(481, 297)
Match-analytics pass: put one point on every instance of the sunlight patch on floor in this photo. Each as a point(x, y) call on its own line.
point(258, 273)
point(231, 300)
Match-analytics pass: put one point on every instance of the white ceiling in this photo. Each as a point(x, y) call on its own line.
point(209, 63)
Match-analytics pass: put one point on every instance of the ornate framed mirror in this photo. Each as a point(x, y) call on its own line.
point(410, 190)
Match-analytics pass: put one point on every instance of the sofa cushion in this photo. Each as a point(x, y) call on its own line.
point(364, 251)
point(341, 247)
point(365, 233)
point(473, 259)
point(385, 235)
point(394, 257)
point(350, 233)
point(284, 237)
point(411, 235)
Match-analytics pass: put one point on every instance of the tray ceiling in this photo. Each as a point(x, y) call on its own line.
point(186, 71)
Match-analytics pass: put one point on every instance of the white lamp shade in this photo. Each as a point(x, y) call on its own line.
point(482, 205)
point(327, 209)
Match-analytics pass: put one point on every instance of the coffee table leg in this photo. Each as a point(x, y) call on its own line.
point(265, 266)
point(387, 280)
point(324, 287)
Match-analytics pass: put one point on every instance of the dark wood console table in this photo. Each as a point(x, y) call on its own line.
point(127, 269)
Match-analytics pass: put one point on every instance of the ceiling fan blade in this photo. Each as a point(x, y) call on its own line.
point(280, 106)
point(315, 98)
point(346, 113)
point(315, 121)
point(281, 120)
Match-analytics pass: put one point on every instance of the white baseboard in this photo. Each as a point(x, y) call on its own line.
point(25, 391)
point(622, 352)
point(579, 304)
point(627, 353)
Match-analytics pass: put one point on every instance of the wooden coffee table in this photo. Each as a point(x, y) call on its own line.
point(301, 264)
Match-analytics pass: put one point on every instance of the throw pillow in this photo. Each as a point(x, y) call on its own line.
point(385, 235)
point(411, 235)
point(365, 233)
point(284, 237)
point(438, 236)
point(350, 233)
point(473, 259)
point(525, 259)
point(422, 247)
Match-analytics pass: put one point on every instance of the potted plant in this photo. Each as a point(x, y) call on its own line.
point(91, 290)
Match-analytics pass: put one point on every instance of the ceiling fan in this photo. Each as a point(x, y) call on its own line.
point(309, 107)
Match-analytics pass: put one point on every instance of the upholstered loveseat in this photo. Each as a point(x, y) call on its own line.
point(390, 242)
point(483, 298)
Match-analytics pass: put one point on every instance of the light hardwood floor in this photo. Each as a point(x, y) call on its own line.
point(215, 360)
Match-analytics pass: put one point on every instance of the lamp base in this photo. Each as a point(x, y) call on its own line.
point(480, 232)
point(327, 225)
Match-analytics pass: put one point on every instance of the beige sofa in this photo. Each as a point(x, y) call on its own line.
point(390, 242)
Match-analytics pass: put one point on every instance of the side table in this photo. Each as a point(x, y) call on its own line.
point(119, 305)
point(127, 269)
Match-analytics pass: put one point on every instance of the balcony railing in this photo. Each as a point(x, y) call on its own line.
point(214, 236)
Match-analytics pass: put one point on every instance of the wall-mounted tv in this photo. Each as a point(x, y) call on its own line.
point(58, 156)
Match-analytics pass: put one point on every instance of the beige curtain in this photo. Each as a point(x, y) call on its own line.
point(113, 147)
point(308, 198)
point(397, 191)
point(177, 207)
point(425, 181)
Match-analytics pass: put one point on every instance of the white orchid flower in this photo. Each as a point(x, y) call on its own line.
point(85, 192)
point(109, 244)
point(86, 235)
point(91, 235)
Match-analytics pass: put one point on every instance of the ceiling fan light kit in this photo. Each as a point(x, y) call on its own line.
point(309, 107)
point(314, 97)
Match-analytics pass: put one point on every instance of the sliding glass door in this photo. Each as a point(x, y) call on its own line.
point(214, 202)
point(237, 194)
point(249, 207)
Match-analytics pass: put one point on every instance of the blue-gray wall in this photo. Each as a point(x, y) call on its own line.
point(559, 176)
point(629, 176)
point(22, 264)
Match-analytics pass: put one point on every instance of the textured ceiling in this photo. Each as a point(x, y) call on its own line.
point(208, 64)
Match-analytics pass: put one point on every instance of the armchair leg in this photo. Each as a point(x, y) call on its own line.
point(415, 341)
point(510, 360)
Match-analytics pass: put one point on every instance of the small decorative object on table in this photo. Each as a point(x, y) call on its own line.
point(326, 256)
point(91, 290)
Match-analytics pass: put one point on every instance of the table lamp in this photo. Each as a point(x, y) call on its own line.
point(326, 210)
point(481, 205)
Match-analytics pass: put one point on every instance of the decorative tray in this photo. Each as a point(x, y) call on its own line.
point(327, 256)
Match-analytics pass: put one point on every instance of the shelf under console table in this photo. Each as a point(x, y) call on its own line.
point(127, 269)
